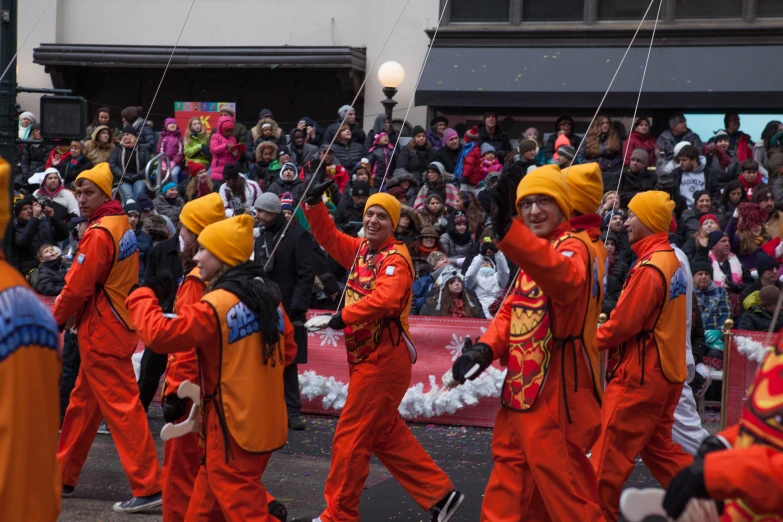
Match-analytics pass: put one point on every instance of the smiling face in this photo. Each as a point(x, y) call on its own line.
point(209, 265)
point(491, 120)
point(128, 140)
point(704, 203)
point(428, 242)
point(460, 228)
point(377, 226)
point(722, 143)
point(541, 214)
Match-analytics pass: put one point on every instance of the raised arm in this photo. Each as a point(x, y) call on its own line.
point(339, 245)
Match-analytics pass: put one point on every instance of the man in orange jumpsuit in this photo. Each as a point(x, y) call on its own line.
point(243, 340)
point(646, 336)
point(375, 319)
point(95, 290)
point(550, 397)
point(29, 391)
point(743, 465)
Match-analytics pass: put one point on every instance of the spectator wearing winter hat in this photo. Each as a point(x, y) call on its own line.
point(265, 130)
point(678, 132)
point(361, 172)
point(35, 226)
point(458, 241)
point(525, 155)
point(426, 244)
point(452, 298)
point(436, 263)
point(723, 165)
point(350, 210)
point(435, 135)
point(261, 170)
point(198, 184)
point(714, 304)
point(415, 158)
point(490, 132)
point(287, 205)
point(224, 148)
point(288, 181)
point(347, 114)
point(448, 155)
point(408, 183)
point(301, 151)
point(169, 203)
point(663, 167)
point(758, 318)
point(399, 194)
point(237, 192)
point(34, 155)
point(565, 155)
point(347, 151)
point(469, 162)
point(487, 275)
point(696, 243)
point(59, 198)
point(727, 270)
point(636, 177)
point(767, 272)
point(640, 138)
point(564, 126)
point(435, 183)
point(381, 124)
point(747, 231)
point(382, 158)
point(143, 239)
point(616, 271)
point(132, 161)
point(26, 119)
point(76, 163)
point(690, 222)
point(489, 163)
point(170, 143)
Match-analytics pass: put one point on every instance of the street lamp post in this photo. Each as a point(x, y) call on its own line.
point(391, 75)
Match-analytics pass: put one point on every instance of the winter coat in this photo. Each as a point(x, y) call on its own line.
point(252, 191)
point(136, 163)
point(714, 305)
point(446, 191)
point(170, 143)
point(639, 141)
point(165, 208)
point(254, 137)
point(414, 160)
point(757, 319)
point(31, 235)
point(457, 253)
point(761, 157)
point(261, 173)
point(632, 183)
point(357, 133)
point(689, 224)
point(116, 132)
point(469, 164)
point(410, 234)
point(219, 148)
point(431, 303)
point(145, 244)
point(382, 160)
point(164, 257)
point(693, 249)
point(377, 128)
point(194, 150)
point(98, 152)
point(65, 199)
point(435, 141)
point(615, 279)
point(487, 287)
point(145, 136)
point(301, 156)
point(51, 277)
point(34, 159)
point(667, 141)
point(347, 212)
point(413, 190)
point(549, 147)
point(499, 140)
point(722, 175)
point(608, 160)
point(711, 185)
point(69, 171)
point(348, 155)
point(448, 158)
point(295, 187)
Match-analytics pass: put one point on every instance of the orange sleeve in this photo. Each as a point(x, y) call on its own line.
point(339, 245)
point(730, 434)
point(754, 474)
point(190, 291)
point(392, 290)
point(92, 264)
point(183, 366)
point(559, 276)
point(193, 325)
point(291, 347)
point(636, 306)
point(498, 332)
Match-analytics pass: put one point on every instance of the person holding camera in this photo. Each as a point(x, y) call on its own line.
point(53, 193)
point(292, 267)
point(35, 226)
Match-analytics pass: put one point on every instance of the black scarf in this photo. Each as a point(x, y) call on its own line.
point(262, 296)
point(459, 239)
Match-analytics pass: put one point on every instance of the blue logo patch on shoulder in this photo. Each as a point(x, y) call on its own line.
point(241, 321)
point(128, 245)
point(595, 277)
point(678, 285)
point(25, 321)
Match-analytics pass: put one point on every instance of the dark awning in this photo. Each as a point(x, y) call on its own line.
point(700, 78)
point(339, 58)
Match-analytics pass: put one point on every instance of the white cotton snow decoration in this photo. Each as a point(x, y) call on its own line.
point(753, 350)
point(416, 403)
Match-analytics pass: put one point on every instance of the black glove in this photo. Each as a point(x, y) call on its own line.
point(163, 284)
point(710, 444)
point(688, 484)
point(316, 192)
point(174, 408)
point(501, 211)
point(336, 322)
point(205, 151)
point(479, 353)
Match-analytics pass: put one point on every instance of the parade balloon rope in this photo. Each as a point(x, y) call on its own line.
point(18, 48)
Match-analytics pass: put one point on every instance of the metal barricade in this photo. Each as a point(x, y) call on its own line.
point(151, 176)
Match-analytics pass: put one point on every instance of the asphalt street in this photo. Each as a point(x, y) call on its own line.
point(296, 474)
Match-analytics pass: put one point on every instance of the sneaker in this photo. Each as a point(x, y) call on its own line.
point(103, 429)
point(295, 422)
point(448, 505)
point(137, 504)
point(278, 510)
point(67, 491)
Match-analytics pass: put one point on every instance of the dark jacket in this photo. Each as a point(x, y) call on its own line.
point(711, 185)
point(295, 187)
point(448, 157)
point(757, 319)
point(136, 163)
point(146, 137)
point(632, 183)
point(347, 211)
point(144, 242)
point(549, 147)
point(51, 277)
point(165, 257)
point(31, 235)
point(293, 269)
point(431, 303)
point(348, 155)
point(34, 159)
point(357, 133)
point(69, 171)
point(414, 160)
point(499, 140)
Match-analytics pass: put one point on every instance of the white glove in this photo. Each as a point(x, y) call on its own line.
point(319, 322)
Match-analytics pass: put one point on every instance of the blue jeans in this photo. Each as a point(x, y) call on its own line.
point(175, 170)
point(132, 190)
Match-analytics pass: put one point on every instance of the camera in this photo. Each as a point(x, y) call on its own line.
point(45, 202)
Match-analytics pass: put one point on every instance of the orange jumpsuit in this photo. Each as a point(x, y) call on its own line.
point(380, 374)
point(749, 477)
point(647, 373)
point(29, 401)
point(551, 394)
point(95, 289)
point(239, 431)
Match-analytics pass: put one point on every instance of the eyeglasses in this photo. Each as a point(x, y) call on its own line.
point(543, 202)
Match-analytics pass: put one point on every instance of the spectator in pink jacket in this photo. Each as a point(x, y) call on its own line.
point(170, 142)
point(640, 138)
point(223, 147)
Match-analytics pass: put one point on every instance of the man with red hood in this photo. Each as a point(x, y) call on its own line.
point(96, 287)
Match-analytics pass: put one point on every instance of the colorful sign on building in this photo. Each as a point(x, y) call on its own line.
point(207, 112)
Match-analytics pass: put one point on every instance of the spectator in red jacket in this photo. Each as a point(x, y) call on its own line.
point(640, 138)
point(469, 162)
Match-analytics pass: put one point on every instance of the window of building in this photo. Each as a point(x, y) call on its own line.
point(769, 8)
point(625, 9)
point(709, 8)
point(476, 12)
point(553, 10)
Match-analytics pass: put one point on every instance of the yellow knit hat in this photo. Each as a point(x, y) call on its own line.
point(653, 208)
point(388, 203)
point(230, 240)
point(585, 187)
point(546, 181)
point(101, 175)
point(5, 199)
point(199, 213)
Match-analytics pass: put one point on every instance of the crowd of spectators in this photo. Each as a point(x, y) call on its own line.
point(727, 190)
